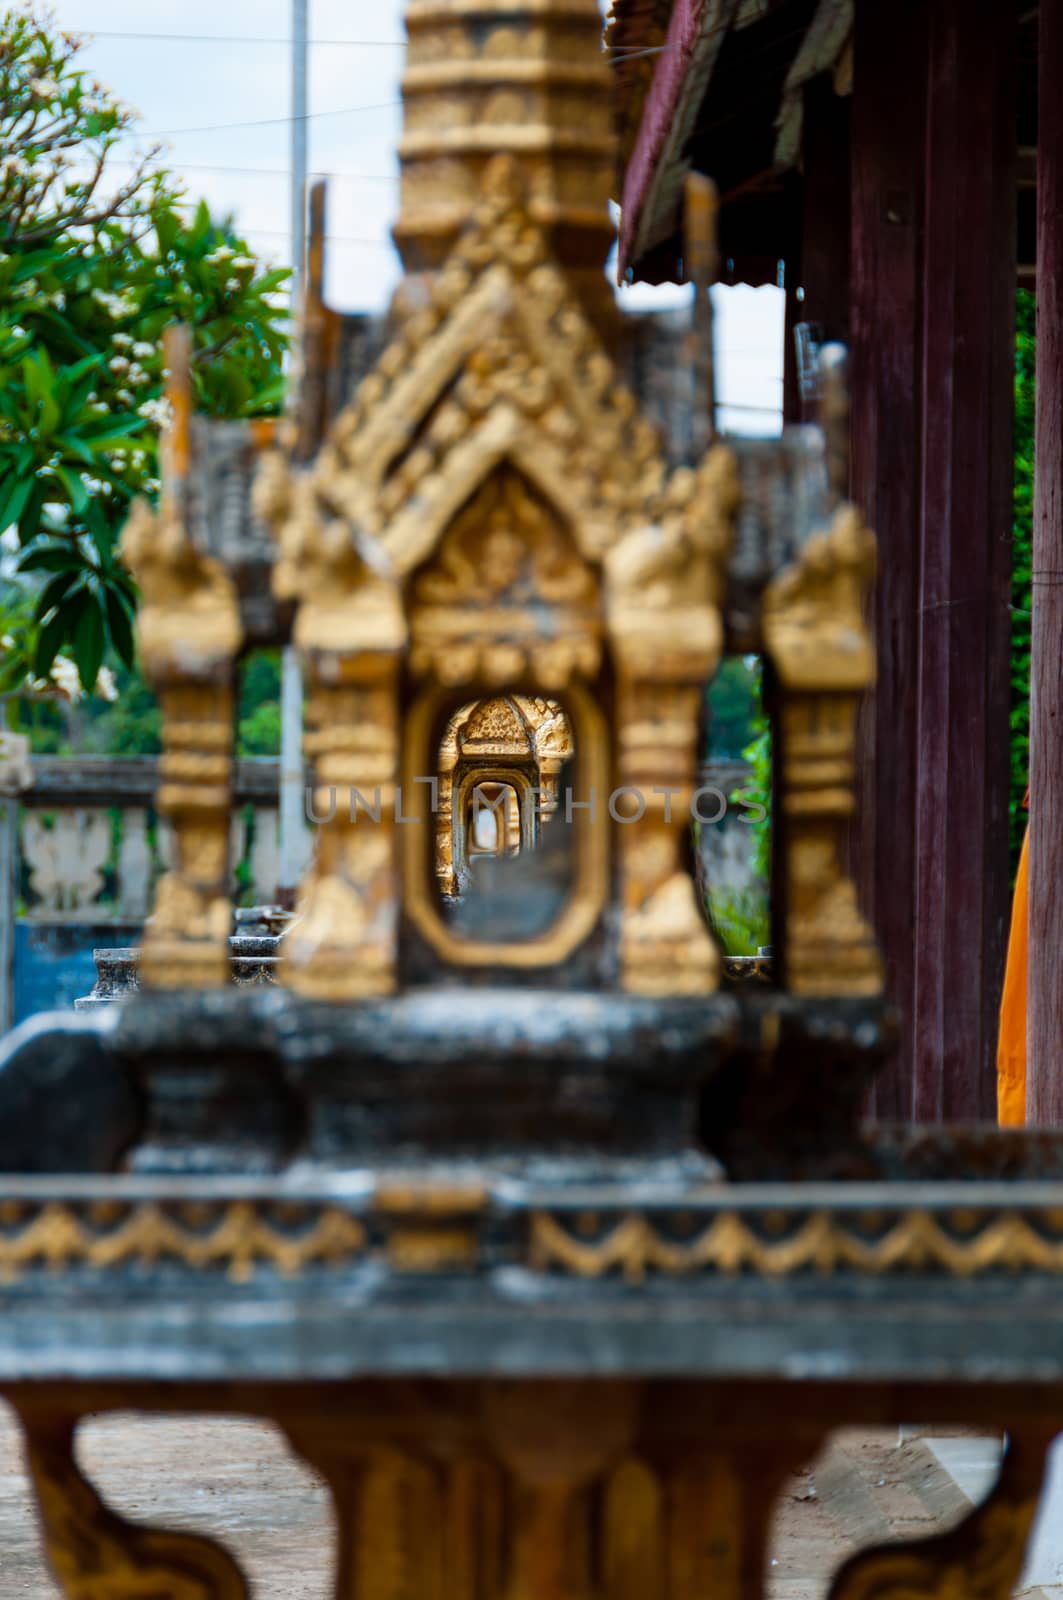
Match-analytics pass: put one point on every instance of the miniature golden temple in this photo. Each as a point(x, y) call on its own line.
point(492, 516)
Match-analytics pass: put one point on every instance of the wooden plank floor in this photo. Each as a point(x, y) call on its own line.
point(237, 1480)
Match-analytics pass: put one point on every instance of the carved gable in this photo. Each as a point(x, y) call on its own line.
point(501, 366)
point(507, 595)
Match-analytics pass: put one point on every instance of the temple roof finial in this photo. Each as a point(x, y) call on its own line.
point(526, 78)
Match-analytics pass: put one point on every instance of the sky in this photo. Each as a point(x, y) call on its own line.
point(220, 106)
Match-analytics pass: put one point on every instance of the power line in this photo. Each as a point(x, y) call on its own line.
point(621, 52)
point(281, 233)
point(263, 122)
point(272, 172)
point(244, 38)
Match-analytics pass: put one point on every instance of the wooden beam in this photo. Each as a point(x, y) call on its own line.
point(1044, 1087)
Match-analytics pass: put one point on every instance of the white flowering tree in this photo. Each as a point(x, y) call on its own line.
point(92, 269)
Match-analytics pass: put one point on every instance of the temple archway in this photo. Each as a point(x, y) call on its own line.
point(500, 760)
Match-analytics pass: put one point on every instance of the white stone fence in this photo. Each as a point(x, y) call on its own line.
point(82, 843)
point(91, 845)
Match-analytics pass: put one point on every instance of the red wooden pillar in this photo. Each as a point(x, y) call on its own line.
point(934, 153)
point(969, 270)
point(885, 319)
point(1044, 1092)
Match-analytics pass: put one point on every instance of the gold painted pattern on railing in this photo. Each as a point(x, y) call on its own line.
point(234, 1235)
point(238, 1236)
point(823, 1243)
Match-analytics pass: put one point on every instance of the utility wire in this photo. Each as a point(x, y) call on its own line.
point(263, 122)
point(332, 238)
point(272, 172)
point(620, 52)
point(244, 38)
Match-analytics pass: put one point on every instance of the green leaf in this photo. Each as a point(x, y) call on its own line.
point(74, 485)
point(15, 503)
point(120, 626)
point(265, 399)
point(50, 558)
point(29, 522)
point(38, 375)
point(271, 280)
point(49, 640)
point(98, 443)
point(89, 640)
point(55, 591)
point(167, 228)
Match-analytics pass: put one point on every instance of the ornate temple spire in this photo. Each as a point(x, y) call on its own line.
point(523, 77)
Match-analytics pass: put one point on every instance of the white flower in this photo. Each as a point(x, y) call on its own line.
point(124, 397)
point(233, 286)
point(58, 300)
point(116, 304)
point(143, 351)
point(222, 254)
point(118, 364)
point(244, 263)
point(137, 375)
point(106, 686)
point(157, 411)
point(122, 340)
point(44, 88)
point(64, 676)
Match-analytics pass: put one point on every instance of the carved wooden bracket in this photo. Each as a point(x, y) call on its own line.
point(531, 1490)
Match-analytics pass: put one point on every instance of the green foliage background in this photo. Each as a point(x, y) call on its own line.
point(738, 730)
point(92, 270)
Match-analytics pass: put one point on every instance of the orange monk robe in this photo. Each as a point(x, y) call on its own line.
point(1011, 1042)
